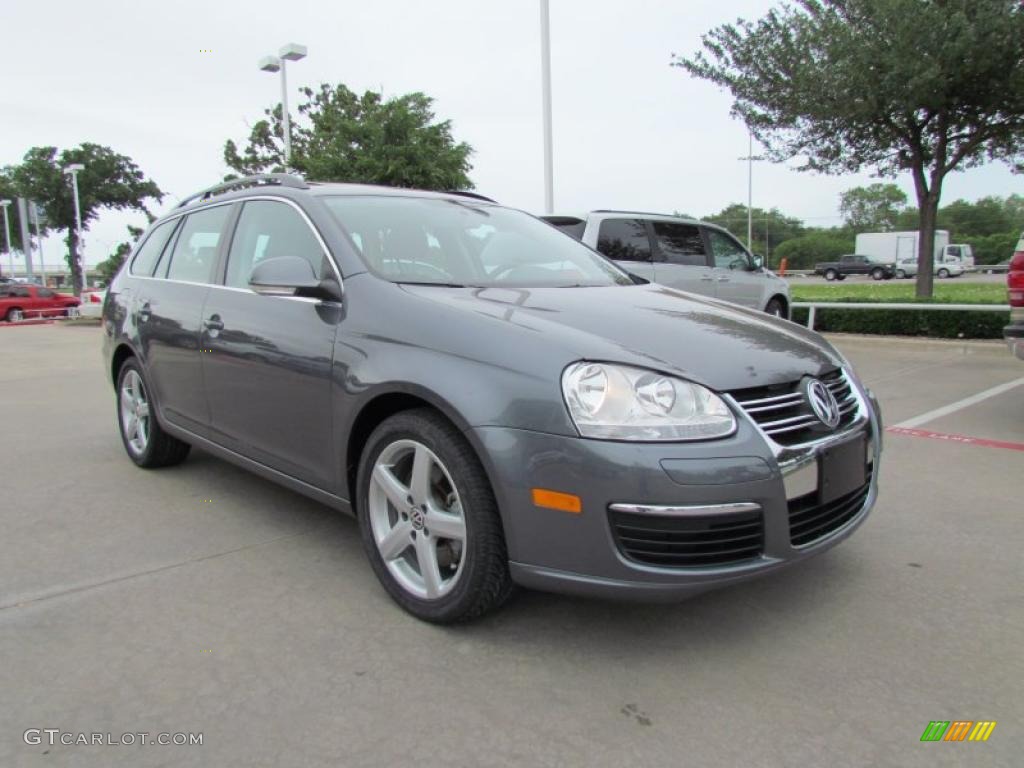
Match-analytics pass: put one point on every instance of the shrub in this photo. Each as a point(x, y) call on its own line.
point(903, 322)
point(805, 251)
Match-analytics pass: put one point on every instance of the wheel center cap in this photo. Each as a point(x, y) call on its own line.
point(417, 518)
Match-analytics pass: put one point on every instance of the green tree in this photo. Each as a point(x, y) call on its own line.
point(109, 266)
point(770, 227)
point(920, 86)
point(109, 181)
point(874, 208)
point(805, 251)
point(352, 138)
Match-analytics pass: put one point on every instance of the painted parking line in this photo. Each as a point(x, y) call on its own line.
point(945, 410)
point(961, 439)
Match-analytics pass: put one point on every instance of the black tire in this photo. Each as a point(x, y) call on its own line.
point(877, 274)
point(943, 273)
point(901, 274)
point(14, 314)
point(776, 307)
point(162, 450)
point(842, 277)
point(486, 582)
point(831, 274)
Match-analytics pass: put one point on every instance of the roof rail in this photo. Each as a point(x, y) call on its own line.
point(474, 195)
point(259, 180)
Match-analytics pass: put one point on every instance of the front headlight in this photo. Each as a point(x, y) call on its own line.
point(618, 402)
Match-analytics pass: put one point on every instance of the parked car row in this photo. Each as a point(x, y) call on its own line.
point(1014, 332)
point(497, 403)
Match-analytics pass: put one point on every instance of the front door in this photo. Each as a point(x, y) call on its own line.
point(735, 278)
point(267, 358)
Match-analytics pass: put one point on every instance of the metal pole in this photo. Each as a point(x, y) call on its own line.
point(39, 240)
point(7, 235)
point(26, 240)
point(78, 229)
point(545, 66)
point(750, 192)
point(285, 117)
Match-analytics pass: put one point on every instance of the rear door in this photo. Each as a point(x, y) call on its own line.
point(682, 260)
point(267, 358)
point(628, 242)
point(735, 278)
point(168, 308)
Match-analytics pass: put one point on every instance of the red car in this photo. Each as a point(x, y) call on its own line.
point(19, 301)
point(1014, 332)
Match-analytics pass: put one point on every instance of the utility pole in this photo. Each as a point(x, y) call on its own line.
point(72, 171)
point(545, 75)
point(34, 209)
point(5, 204)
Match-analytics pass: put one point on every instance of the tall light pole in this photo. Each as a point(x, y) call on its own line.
point(39, 240)
point(545, 76)
point(5, 204)
point(290, 52)
point(750, 158)
point(72, 171)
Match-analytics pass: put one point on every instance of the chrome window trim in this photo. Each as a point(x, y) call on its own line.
point(271, 198)
point(686, 511)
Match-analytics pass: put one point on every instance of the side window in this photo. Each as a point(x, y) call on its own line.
point(195, 250)
point(680, 243)
point(149, 254)
point(45, 293)
point(727, 252)
point(953, 250)
point(624, 240)
point(266, 230)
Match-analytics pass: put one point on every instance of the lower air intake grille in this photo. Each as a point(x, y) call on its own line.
point(688, 541)
point(810, 521)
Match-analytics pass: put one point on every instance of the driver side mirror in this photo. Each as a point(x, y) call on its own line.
point(292, 276)
point(758, 262)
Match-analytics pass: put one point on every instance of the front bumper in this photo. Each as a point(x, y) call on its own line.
point(578, 553)
point(1014, 333)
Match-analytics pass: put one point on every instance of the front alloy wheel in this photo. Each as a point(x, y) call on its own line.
point(429, 520)
point(417, 520)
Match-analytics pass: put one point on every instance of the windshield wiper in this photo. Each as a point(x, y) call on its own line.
point(430, 282)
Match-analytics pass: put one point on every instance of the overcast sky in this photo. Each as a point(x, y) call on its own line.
point(629, 130)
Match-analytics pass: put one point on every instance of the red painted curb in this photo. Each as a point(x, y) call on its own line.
point(962, 439)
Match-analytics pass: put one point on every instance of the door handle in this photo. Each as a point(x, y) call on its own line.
point(145, 312)
point(724, 279)
point(706, 278)
point(214, 324)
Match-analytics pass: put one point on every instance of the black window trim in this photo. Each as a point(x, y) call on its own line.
point(174, 222)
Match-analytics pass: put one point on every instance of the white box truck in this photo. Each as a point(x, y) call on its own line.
point(900, 248)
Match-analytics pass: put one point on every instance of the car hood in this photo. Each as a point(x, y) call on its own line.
point(720, 345)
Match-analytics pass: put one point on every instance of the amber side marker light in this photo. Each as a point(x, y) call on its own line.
point(564, 502)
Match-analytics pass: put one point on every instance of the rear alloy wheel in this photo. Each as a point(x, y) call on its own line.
point(831, 274)
point(144, 439)
point(943, 273)
point(776, 307)
point(15, 315)
point(877, 274)
point(429, 520)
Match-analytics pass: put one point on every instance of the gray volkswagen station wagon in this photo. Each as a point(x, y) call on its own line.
point(495, 402)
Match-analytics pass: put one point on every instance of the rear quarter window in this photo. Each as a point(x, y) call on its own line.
point(148, 254)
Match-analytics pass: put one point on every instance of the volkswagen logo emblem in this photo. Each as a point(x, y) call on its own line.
point(822, 402)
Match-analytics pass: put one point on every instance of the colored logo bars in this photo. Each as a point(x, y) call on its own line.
point(958, 730)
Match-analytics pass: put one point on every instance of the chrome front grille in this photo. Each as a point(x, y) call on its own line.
point(783, 413)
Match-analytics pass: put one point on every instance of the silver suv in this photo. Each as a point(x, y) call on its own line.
point(681, 253)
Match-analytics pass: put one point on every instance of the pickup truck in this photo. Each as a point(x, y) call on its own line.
point(20, 301)
point(854, 264)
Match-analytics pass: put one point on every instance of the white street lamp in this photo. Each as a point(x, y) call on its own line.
point(7, 233)
point(290, 52)
point(750, 158)
point(72, 171)
point(34, 211)
point(545, 77)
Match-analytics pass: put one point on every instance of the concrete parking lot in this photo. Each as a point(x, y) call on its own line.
point(202, 599)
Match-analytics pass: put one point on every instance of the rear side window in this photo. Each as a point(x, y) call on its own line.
point(624, 240)
point(267, 230)
point(45, 293)
point(680, 243)
point(149, 254)
point(195, 250)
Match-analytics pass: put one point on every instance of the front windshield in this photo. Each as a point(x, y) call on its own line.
point(466, 243)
